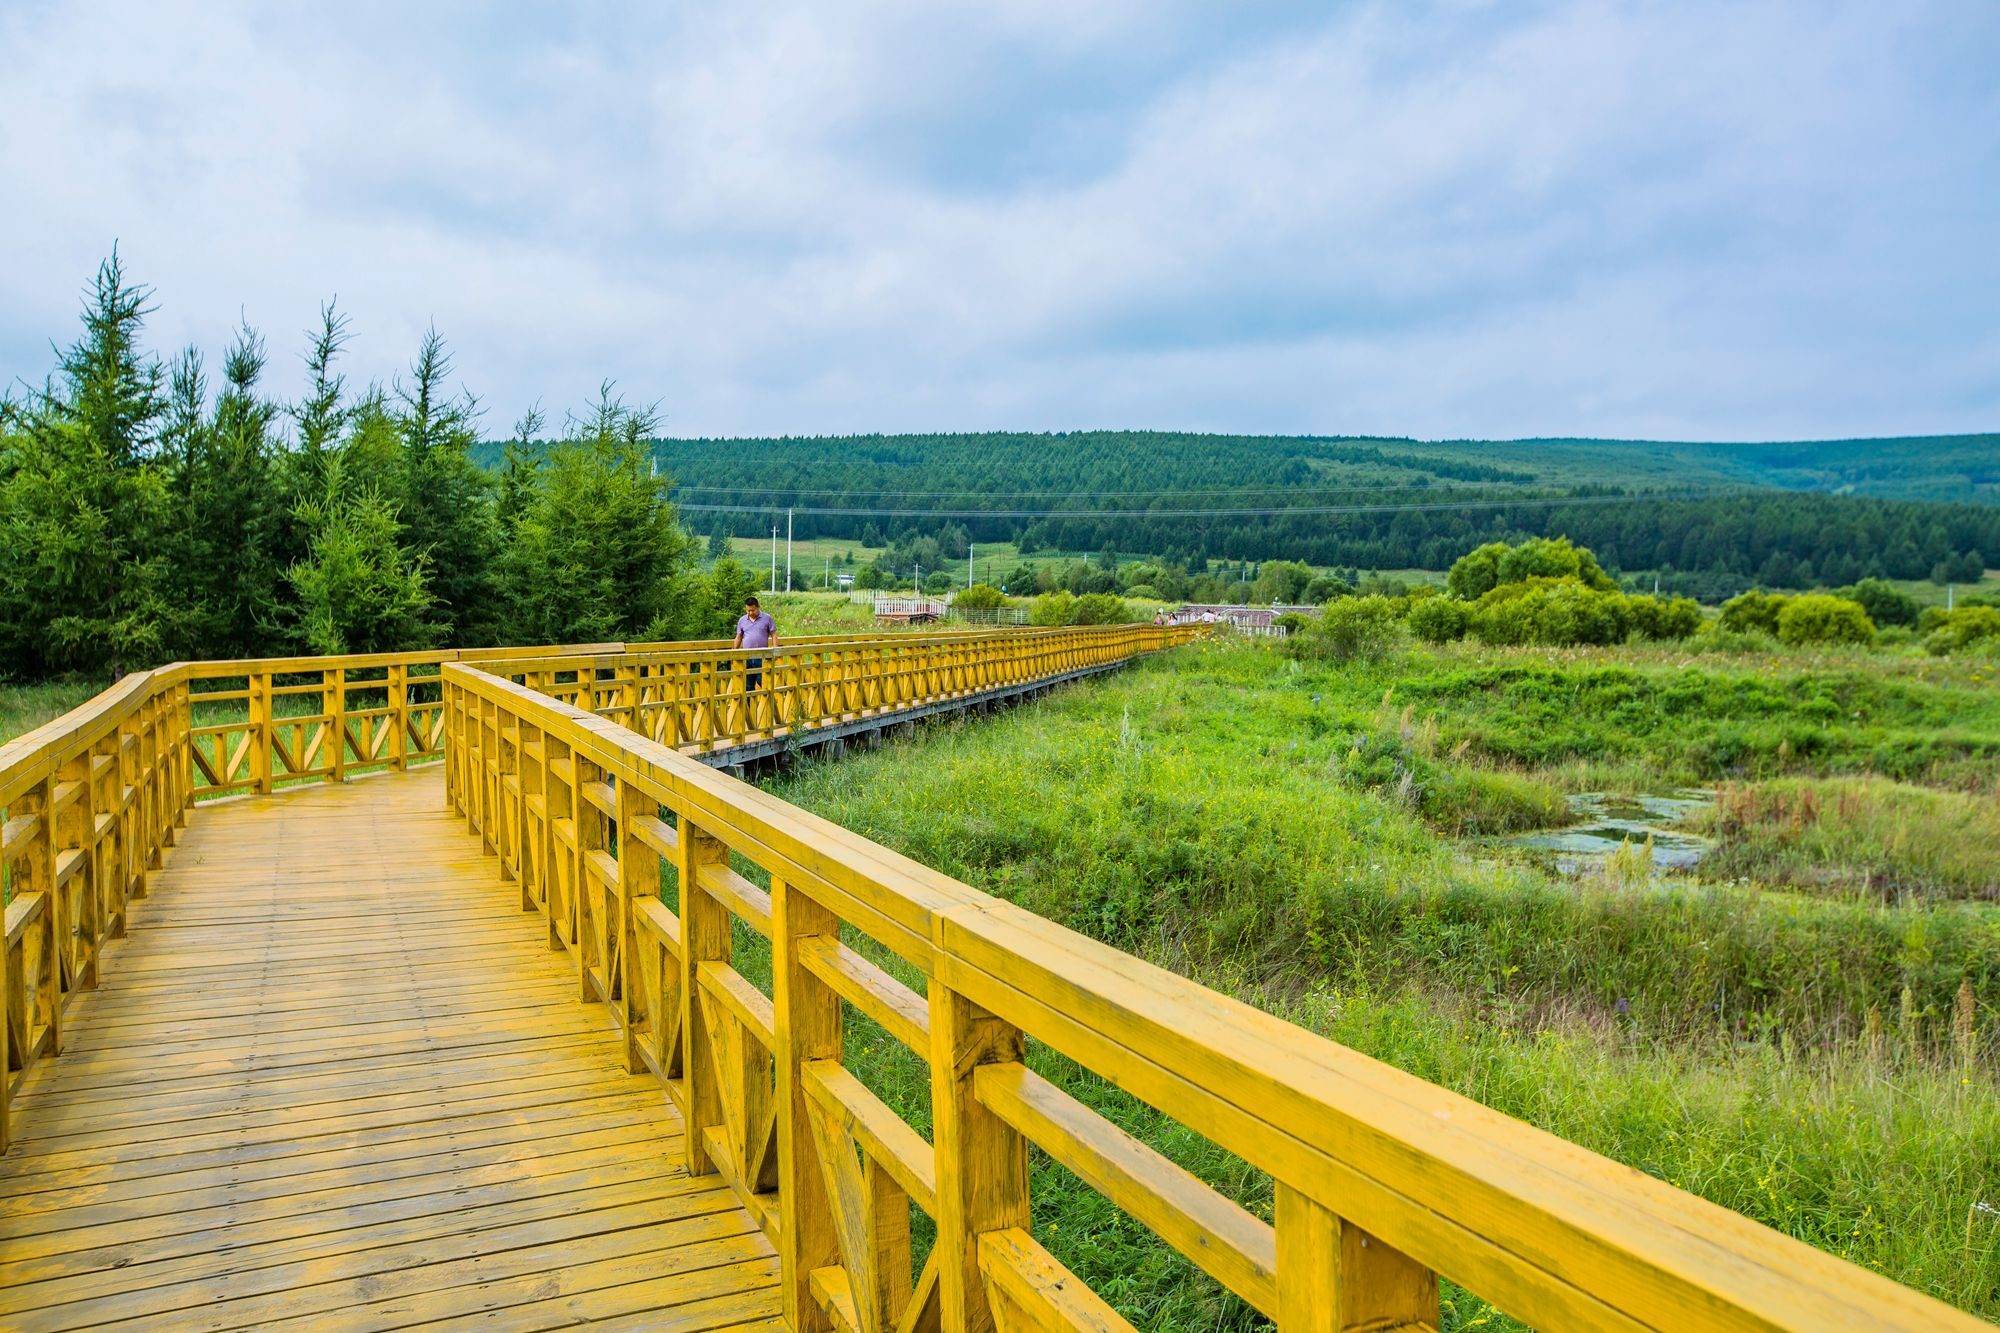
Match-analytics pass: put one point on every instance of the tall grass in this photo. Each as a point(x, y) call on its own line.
point(1217, 811)
point(25, 707)
point(1865, 835)
point(1272, 829)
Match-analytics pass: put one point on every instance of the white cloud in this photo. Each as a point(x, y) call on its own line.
point(1697, 220)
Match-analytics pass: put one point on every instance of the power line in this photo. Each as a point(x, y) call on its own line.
point(1276, 488)
point(1517, 502)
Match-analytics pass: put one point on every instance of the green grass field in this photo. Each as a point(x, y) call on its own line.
point(1313, 839)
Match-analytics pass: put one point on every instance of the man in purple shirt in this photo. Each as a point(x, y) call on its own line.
point(755, 629)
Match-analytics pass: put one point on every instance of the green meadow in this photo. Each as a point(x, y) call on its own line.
point(1329, 842)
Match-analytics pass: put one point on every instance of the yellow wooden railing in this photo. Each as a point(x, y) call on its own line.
point(700, 698)
point(1381, 1182)
point(90, 802)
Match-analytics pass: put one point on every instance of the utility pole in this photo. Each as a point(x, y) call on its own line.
point(970, 578)
point(788, 550)
point(774, 555)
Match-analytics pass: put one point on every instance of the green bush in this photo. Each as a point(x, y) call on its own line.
point(1355, 628)
point(1487, 567)
point(1053, 608)
point(1556, 613)
point(980, 597)
point(1753, 612)
point(1143, 592)
point(1101, 608)
point(1962, 628)
point(1819, 617)
point(1885, 603)
point(1439, 619)
point(1664, 617)
point(1326, 588)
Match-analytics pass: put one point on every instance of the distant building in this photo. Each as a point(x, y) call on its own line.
point(1250, 619)
point(845, 582)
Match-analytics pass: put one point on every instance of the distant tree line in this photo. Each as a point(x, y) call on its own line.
point(1709, 545)
point(150, 512)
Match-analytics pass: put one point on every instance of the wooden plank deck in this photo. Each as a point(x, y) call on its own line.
point(334, 1078)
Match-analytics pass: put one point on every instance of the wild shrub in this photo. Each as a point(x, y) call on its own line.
point(1054, 608)
point(1663, 617)
point(1487, 567)
point(980, 597)
point(1753, 612)
point(1439, 619)
point(1821, 618)
point(1962, 628)
point(1551, 613)
point(1101, 608)
point(1713, 637)
point(1885, 603)
point(1354, 628)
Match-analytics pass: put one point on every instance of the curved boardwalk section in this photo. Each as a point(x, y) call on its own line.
point(334, 1077)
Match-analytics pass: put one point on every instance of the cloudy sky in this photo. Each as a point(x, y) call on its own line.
point(1686, 219)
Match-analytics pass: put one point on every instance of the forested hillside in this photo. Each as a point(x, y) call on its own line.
point(1714, 517)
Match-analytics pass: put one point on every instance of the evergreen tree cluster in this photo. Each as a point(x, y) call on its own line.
point(150, 512)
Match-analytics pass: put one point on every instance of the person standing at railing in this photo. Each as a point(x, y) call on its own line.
point(755, 629)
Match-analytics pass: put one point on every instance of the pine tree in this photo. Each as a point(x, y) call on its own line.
point(357, 589)
point(597, 547)
point(82, 507)
point(446, 509)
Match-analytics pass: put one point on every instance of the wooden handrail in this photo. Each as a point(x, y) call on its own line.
point(91, 801)
point(708, 697)
point(1382, 1183)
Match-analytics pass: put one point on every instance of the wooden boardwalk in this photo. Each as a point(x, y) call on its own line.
point(335, 1078)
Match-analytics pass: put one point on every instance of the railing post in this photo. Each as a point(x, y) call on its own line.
point(183, 757)
point(628, 691)
point(41, 865)
point(588, 900)
point(507, 809)
point(152, 788)
point(638, 877)
point(982, 1163)
point(705, 938)
point(399, 716)
point(335, 695)
point(260, 732)
point(129, 803)
point(1333, 1276)
point(76, 906)
point(807, 1025)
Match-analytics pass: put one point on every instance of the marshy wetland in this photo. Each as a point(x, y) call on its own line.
point(1799, 1025)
